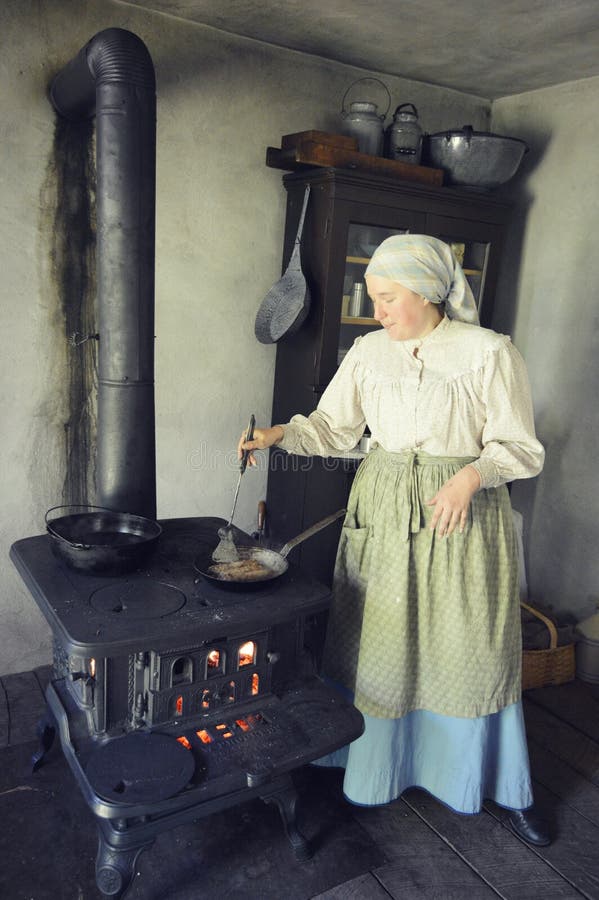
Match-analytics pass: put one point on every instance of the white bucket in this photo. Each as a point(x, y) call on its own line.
point(587, 650)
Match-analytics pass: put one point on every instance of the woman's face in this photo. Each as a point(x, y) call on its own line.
point(401, 312)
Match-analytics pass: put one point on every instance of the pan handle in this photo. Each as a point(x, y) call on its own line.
point(318, 526)
point(55, 533)
point(77, 506)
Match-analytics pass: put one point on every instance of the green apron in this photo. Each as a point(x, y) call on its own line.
point(420, 621)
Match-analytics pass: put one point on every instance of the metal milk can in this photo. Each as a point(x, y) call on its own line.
point(363, 121)
point(405, 135)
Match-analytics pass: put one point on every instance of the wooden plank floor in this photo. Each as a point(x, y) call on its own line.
point(412, 848)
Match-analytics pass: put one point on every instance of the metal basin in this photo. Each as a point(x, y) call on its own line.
point(474, 159)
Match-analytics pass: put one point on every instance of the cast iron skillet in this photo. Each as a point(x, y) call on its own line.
point(93, 539)
point(264, 565)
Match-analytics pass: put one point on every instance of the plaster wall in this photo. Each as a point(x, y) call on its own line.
point(549, 301)
point(220, 213)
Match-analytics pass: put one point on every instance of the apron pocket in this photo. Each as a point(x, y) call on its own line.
point(354, 555)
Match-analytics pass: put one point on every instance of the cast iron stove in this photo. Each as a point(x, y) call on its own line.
point(174, 698)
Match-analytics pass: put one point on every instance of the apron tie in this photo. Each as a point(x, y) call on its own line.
point(409, 507)
point(414, 517)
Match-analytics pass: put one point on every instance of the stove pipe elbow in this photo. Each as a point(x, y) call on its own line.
point(113, 78)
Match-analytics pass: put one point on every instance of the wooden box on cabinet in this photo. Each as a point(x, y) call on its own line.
point(349, 213)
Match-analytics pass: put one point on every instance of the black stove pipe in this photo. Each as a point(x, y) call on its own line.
point(113, 77)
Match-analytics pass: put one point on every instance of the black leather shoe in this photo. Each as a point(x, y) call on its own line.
point(527, 824)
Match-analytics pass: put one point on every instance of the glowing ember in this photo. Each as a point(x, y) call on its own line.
point(242, 724)
point(204, 736)
point(220, 727)
point(214, 659)
point(227, 734)
point(183, 740)
point(247, 654)
point(205, 699)
point(255, 683)
point(179, 706)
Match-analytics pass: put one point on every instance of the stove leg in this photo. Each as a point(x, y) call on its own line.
point(115, 868)
point(286, 799)
point(46, 731)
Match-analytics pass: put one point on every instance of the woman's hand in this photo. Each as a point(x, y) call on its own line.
point(263, 439)
point(453, 500)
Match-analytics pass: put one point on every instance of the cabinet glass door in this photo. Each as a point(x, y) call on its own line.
point(356, 305)
point(475, 245)
point(472, 256)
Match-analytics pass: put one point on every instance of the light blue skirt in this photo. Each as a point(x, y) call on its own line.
point(462, 762)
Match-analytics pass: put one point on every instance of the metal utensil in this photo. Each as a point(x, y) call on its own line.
point(286, 305)
point(256, 565)
point(226, 551)
point(258, 534)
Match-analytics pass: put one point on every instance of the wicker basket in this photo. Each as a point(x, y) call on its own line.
point(541, 668)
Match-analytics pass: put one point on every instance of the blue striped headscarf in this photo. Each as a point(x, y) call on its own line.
point(428, 267)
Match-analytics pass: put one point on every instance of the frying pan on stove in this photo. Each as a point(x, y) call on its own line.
point(255, 565)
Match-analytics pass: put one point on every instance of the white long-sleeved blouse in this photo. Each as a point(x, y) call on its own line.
point(460, 391)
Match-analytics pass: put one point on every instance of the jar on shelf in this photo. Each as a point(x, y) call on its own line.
point(363, 121)
point(459, 248)
point(404, 135)
point(356, 300)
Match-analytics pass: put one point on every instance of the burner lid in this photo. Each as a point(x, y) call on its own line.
point(140, 768)
point(143, 599)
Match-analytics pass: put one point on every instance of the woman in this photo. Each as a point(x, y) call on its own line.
point(424, 630)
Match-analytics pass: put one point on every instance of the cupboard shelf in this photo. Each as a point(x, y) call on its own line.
point(364, 260)
point(358, 320)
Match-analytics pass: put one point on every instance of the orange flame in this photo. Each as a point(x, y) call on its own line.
point(214, 659)
point(183, 740)
point(247, 654)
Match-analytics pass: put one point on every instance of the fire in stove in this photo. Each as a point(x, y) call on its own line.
point(183, 684)
point(222, 731)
